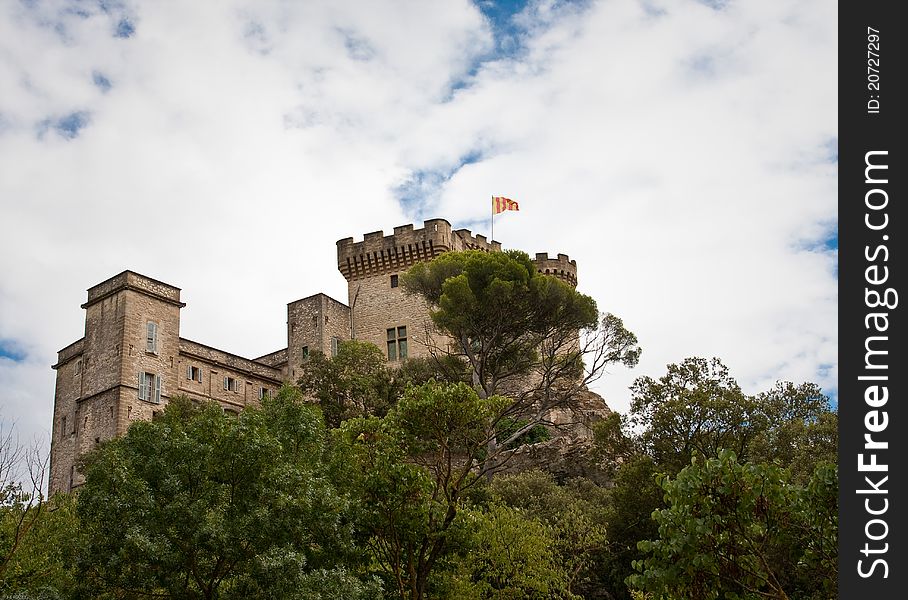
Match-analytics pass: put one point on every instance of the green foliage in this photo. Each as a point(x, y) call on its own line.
point(742, 531)
point(634, 497)
point(511, 557)
point(355, 383)
point(508, 426)
point(358, 381)
point(573, 515)
point(36, 542)
point(415, 466)
point(197, 504)
point(514, 326)
point(500, 311)
point(698, 410)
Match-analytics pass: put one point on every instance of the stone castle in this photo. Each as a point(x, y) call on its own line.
point(132, 358)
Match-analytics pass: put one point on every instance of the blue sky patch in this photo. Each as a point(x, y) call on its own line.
point(420, 192)
point(125, 28)
point(68, 126)
point(101, 81)
point(11, 350)
point(510, 30)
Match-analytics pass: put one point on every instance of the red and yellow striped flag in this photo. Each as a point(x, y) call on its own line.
point(501, 204)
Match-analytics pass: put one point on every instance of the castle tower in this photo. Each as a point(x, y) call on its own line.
point(315, 323)
point(120, 371)
point(380, 311)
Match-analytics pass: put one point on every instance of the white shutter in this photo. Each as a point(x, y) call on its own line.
point(151, 340)
point(200, 374)
point(157, 389)
point(141, 385)
point(189, 372)
point(225, 383)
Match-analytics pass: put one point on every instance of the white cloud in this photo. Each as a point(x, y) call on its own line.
point(680, 153)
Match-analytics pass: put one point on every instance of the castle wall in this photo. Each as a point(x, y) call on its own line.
point(63, 436)
point(250, 376)
point(378, 307)
point(314, 324)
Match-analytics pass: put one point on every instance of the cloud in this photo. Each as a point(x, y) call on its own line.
point(684, 153)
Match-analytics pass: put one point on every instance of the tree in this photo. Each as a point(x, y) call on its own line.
point(355, 383)
point(199, 504)
point(523, 334)
point(36, 535)
point(358, 382)
point(415, 467)
point(697, 409)
point(735, 530)
point(511, 556)
point(573, 515)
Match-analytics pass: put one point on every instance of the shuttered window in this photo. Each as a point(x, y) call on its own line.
point(149, 387)
point(151, 337)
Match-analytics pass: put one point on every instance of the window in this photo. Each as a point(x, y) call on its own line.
point(79, 366)
point(194, 373)
point(151, 337)
point(231, 384)
point(394, 281)
point(63, 428)
point(397, 343)
point(335, 343)
point(305, 352)
point(264, 393)
point(150, 387)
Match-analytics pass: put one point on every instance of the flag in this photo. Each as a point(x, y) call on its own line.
point(501, 204)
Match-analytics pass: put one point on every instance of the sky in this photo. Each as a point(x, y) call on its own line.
point(683, 152)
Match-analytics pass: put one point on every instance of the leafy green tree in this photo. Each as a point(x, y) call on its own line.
point(37, 563)
point(698, 409)
point(355, 383)
point(735, 530)
point(633, 498)
point(523, 334)
point(198, 504)
point(416, 466)
point(573, 514)
point(36, 534)
point(511, 556)
point(358, 381)
point(800, 430)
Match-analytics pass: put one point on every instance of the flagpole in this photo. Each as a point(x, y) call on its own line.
point(493, 220)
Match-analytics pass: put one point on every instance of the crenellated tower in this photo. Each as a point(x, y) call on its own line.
point(380, 311)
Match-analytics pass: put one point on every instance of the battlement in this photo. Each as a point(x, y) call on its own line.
point(465, 240)
point(134, 281)
point(562, 267)
point(378, 253)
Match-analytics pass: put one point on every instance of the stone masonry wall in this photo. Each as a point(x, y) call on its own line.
point(63, 432)
point(312, 324)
